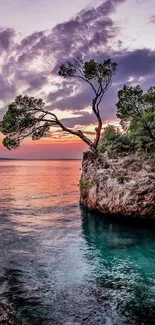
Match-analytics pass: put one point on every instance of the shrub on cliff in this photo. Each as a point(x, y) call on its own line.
point(115, 142)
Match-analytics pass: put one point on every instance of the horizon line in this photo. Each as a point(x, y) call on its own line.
point(54, 159)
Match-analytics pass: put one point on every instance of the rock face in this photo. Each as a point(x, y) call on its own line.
point(124, 186)
point(7, 315)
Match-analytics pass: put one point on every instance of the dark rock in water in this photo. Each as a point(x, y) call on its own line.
point(8, 316)
point(122, 243)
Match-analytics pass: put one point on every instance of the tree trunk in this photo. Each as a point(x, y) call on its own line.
point(78, 133)
point(98, 132)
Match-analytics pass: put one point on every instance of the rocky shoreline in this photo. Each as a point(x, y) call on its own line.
point(8, 316)
point(123, 187)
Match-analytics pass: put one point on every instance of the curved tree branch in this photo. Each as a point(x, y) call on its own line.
point(27, 116)
point(77, 133)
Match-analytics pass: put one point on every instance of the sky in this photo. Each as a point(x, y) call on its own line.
point(37, 36)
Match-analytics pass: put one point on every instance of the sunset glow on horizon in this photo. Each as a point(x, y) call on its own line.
point(32, 53)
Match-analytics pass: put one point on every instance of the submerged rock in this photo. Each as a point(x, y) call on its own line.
point(8, 316)
point(122, 243)
point(125, 186)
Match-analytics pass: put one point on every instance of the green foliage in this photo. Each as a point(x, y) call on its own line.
point(27, 116)
point(142, 131)
point(130, 103)
point(115, 143)
point(98, 76)
point(152, 158)
point(136, 111)
point(108, 135)
point(120, 179)
point(99, 71)
point(10, 143)
point(89, 71)
point(67, 71)
point(85, 183)
point(24, 117)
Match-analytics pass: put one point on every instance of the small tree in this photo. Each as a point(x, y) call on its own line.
point(27, 116)
point(115, 143)
point(136, 111)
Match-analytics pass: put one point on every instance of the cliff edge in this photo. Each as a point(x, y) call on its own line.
point(123, 186)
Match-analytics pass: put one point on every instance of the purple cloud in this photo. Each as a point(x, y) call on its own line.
point(32, 63)
point(7, 90)
point(152, 19)
point(6, 38)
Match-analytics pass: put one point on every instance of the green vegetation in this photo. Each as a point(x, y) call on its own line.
point(136, 111)
point(152, 158)
point(28, 117)
point(120, 179)
point(85, 183)
point(115, 142)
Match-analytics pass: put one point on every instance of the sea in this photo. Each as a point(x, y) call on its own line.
point(63, 265)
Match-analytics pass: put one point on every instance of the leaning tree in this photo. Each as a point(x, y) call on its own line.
point(28, 116)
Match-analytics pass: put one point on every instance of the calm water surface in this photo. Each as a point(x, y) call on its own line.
point(62, 265)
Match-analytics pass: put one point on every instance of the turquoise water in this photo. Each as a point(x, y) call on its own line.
point(62, 265)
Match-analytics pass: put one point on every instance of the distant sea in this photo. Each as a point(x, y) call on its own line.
point(20, 159)
point(62, 265)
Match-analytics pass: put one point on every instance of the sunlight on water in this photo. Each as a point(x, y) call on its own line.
point(62, 265)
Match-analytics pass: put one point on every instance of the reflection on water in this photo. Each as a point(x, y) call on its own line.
point(62, 265)
point(123, 261)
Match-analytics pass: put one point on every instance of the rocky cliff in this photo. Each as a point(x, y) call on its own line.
point(123, 186)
